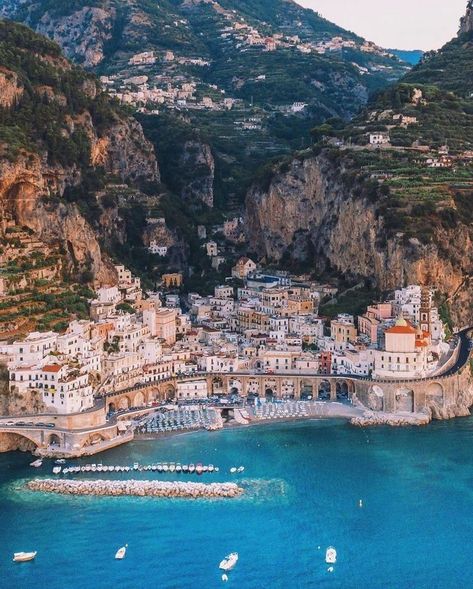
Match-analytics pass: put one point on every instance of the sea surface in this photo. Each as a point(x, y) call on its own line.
point(304, 482)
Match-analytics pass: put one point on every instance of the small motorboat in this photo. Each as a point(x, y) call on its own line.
point(56, 469)
point(211, 468)
point(120, 554)
point(178, 467)
point(185, 468)
point(330, 555)
point(135, 466)
point(172, 467)
point(224, 578)
point(233, 469)
point(229, 562)
point(199, 469)
point(191, 468)
point(240, 469)
point(37, 463)
point(24, 556)
point(60, 461)
point(165, 467)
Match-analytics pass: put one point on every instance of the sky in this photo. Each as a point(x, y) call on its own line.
point(395, 24)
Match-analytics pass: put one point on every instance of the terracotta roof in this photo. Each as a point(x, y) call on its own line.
point(401, 329)
point(52, 368)
point(421, 344)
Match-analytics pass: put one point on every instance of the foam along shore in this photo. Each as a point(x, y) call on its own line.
point(137, 488)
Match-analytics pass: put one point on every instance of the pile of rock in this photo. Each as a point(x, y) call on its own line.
point(137, 488)
point(372, 418)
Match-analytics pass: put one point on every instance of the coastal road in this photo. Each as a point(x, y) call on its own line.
point(463, 354)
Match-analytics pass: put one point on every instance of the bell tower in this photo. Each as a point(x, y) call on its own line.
point(425, 310)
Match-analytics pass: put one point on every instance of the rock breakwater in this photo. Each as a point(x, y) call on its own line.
point(372, 418)
point(136, 488)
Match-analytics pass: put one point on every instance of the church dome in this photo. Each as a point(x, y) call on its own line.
point(401, 322)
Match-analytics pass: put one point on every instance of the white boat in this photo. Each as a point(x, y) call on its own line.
point(233, 469)
point(229, 562)
point(37, 463)
point(56, 469)
point(60, 461)
point(330, 555)
point(24, 556)
point(120, 554)
point(241, 469)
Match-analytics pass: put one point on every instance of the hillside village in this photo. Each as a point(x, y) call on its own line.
point(257, 322)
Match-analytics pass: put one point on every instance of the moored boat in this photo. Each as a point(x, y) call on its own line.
point(178, 467)
point(191, 468)
point(233, 469)
point(228, 563)
point(37, 463)
point(120, 554)
point(24, 556)
point(211, 468)
point(240, 469)
point(331, 555)
point(185, 468)
point(56, 469)
point(199, 469)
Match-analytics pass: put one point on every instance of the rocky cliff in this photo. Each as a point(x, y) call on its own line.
point(60, 138)
point(307, 213)
point(82, 34)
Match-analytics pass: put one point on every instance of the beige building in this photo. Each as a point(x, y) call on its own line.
point(405, 354)
point(166, 325)
point(243, 267)
point(343, 332)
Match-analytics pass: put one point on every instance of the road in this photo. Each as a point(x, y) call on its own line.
point(463, 355)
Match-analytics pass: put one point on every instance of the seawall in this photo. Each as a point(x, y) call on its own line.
point(134, 488)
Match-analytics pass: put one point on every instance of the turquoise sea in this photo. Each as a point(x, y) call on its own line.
point(304, 482)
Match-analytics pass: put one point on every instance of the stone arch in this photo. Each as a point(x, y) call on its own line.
point(343, 393)
point(268, 393)
point(111, 408)
point(139, 400)
point(307, 390)
point(170, 393)
point(376, 398)
point(235, 386)
point(404, 400)
point(124, 403)
point(93, 439)
point(435, 393)
point(54, 440)
point(324, 390)
point(11, 441)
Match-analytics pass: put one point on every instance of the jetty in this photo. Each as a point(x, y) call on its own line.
point(136, 488)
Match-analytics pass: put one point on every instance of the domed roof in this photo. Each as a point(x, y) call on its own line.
point(401, 322)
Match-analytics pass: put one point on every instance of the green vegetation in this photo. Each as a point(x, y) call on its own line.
point(52, 93)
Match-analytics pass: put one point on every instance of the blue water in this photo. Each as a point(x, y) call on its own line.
point(304, 484)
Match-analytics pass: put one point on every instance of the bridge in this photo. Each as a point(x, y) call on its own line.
point(444, 395)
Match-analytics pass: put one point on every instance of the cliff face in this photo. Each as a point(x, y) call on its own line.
point(198, 162)
point(82, 34)
point(61, 139)
point(307, 213)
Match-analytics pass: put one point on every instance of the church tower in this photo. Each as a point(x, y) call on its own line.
point(425, 310)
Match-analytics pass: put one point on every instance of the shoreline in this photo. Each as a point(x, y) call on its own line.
point(354, 415)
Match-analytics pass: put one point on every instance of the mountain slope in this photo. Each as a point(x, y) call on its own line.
point(61, 140)
point(392, 214)
point(248, 77)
